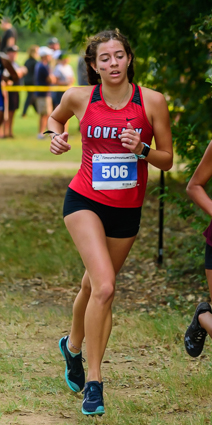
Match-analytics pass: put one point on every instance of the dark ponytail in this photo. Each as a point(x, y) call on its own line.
point(93, 77)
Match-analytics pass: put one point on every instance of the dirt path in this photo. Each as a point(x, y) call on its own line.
point(54, 165)
point(38, 165)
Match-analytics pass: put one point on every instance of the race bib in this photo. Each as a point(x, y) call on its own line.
point(114, 171)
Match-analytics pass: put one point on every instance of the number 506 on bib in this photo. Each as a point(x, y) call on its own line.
point(114, 171)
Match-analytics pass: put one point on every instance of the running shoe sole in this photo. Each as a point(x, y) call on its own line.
point(96, 413)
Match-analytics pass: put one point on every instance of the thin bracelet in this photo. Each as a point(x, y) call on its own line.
point(55, 134)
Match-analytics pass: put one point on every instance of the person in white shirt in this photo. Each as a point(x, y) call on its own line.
point(64, 73)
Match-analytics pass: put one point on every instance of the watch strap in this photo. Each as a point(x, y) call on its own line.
point(144, 152)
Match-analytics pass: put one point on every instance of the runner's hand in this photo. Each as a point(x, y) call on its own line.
point(131, 140)
point(59, 144)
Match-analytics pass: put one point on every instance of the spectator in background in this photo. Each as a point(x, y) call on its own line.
point(9, 37)
point(82, 72)
point(64, 73)
point(44, 77)
point(29, 78)
point(13, 97)
point(5, 64)
point(54, 44)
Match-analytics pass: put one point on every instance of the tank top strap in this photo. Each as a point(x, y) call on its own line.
point(137, 97)
point(95, 95)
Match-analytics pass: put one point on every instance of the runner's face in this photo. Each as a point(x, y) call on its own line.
point(112, 61)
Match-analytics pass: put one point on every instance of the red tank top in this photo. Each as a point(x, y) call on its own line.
point(101, 127)
point(208, 234)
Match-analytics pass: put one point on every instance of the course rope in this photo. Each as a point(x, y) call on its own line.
point(36, 88)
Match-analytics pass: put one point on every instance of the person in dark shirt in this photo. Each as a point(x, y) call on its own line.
point(29, 78)
point(5, 64)
point(9, 37)
point(13, 96)
point(44, 77)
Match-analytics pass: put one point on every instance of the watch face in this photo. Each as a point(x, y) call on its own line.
point(145, 150)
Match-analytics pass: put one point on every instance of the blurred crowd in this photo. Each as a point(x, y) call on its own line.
point(45, 66)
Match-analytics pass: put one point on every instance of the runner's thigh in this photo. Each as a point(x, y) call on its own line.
point(99, 253)
point(88, 234)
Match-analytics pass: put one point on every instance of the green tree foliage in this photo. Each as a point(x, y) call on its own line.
point(171, 40)
point(52, 27)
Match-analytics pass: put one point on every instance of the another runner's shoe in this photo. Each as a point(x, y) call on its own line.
point(93, 403)
point(195, 335)
point(74, 373)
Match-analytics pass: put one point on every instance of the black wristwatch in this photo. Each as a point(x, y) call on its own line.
point(144, 152)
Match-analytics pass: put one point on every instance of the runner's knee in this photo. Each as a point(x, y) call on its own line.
point(104, 292)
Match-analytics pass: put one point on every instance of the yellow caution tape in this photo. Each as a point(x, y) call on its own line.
point(36, 88)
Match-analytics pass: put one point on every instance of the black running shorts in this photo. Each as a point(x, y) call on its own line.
point(117, 222)
point(208, 257)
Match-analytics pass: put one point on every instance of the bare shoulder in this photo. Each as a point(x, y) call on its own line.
point(206, 161)
point(207, 158)
point(74, 102)
point(77, 95)
point(209, 151)
point(203, 171)
point(153, 96)
point(155, 105)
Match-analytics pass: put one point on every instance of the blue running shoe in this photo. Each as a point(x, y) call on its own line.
point(74, 373)
point(93, 403)
point(195, 335)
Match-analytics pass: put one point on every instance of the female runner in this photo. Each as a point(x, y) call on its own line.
point(102, 207)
